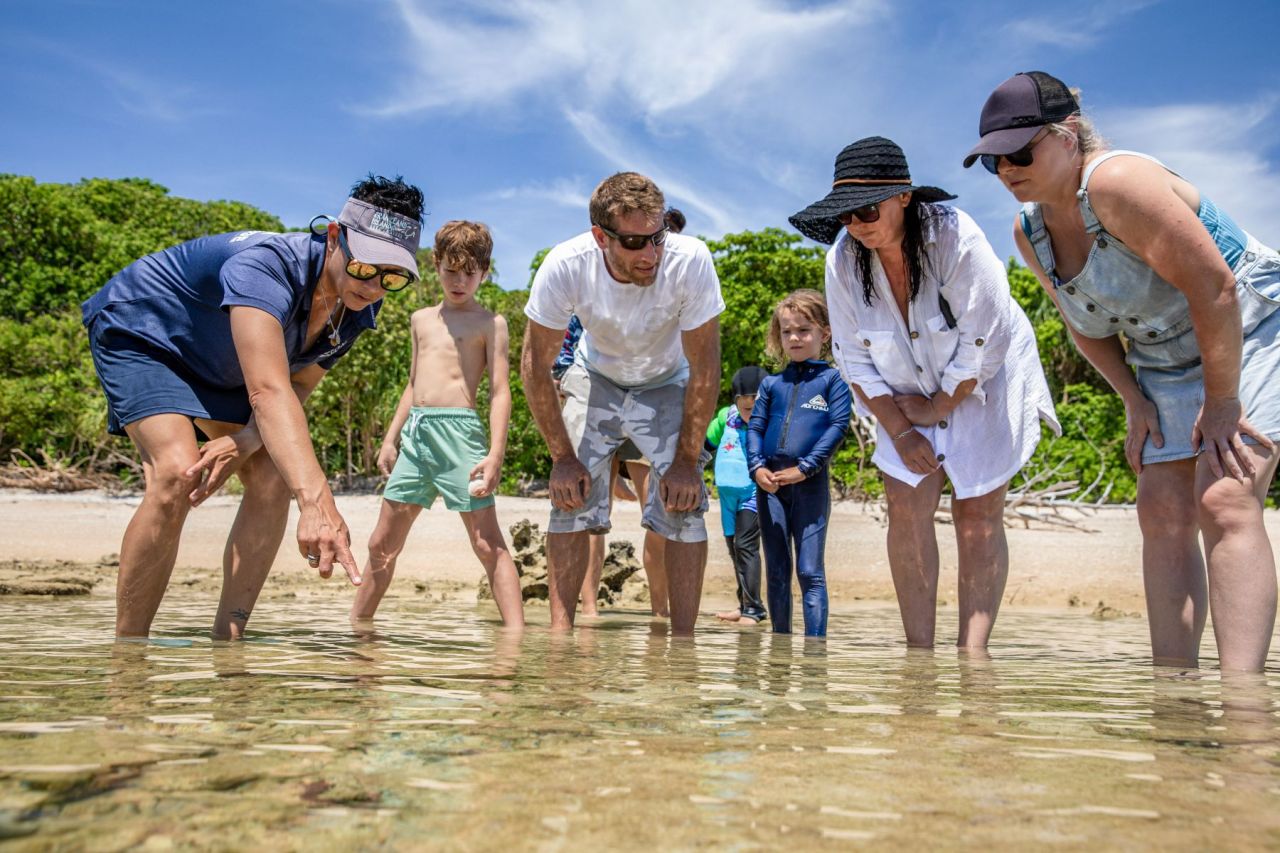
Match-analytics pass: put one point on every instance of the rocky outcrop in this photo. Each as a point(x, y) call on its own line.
point(620, 580)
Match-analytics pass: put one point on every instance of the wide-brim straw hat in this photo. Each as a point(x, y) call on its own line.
point(867, 171)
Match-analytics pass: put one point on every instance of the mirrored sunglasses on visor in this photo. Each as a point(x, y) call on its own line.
point(866, 213)
point(1021, 158)
point(636, 242)
point(391, 280)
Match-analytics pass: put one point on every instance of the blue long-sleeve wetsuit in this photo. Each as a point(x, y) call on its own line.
point(800, 418)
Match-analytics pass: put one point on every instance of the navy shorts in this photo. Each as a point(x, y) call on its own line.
point(140, 380)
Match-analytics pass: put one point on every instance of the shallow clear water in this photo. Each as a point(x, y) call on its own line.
point(440, 730)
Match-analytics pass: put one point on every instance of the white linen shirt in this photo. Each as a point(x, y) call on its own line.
point(630, 334)
point(994, 431)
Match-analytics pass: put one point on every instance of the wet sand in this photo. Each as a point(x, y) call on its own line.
point(1054, 569)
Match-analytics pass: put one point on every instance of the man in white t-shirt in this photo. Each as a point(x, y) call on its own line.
point(647, 369)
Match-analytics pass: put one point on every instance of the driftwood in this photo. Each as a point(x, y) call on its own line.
point(52, 475)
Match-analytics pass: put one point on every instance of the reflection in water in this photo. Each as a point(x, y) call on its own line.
point(435, 724)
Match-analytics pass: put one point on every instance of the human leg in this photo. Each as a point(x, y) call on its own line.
point(736, 613)
point(167, 445)
point(746, 540)
point(490, 546)
point(595, 570)
point(567, 556)
point(654, 550)
point(775, 537)
point(253, 544)
point(688, 563)
point(592, 416)
point(810, 504)
point(1173, 572)
point(655, 568)
point(1241, 562)
point(913, 554)
point(983, 553)
point(385, 544)
point(652, 420)
point(729, 502)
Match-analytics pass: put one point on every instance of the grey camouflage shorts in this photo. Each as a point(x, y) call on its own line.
point(600, 416)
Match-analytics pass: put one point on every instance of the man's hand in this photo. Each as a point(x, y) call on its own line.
point(765, 479)
point(570, 484)
point(681, 487)
point(387, 456)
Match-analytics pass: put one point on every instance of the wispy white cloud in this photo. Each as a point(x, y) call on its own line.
point(1073, 30)
point(161, 99)
point(1216, 147)
point(659, 86)
point(565, 192)
point(656, 55)
point(620, 155)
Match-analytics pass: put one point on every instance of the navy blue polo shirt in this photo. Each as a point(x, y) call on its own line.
point(169, 311)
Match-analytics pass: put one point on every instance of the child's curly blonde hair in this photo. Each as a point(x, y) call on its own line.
point(809, 304)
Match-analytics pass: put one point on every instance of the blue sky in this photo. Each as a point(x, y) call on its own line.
point(510, 111)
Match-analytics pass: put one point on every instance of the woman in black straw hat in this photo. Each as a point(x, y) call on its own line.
point(925, 331)
point(1125, 246)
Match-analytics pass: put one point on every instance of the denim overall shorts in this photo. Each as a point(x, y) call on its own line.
point(1117, 293)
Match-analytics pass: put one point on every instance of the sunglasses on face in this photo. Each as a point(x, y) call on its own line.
point(636, 242)
point(391, 281)
point(866, 213)
point(1021, 158)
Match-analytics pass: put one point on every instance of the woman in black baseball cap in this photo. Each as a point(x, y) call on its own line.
point(924, 328)
point(1129, 249)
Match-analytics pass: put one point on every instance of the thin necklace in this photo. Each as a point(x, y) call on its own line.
point(335, 338)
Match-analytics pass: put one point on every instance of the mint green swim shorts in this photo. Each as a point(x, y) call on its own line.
point(438, 450)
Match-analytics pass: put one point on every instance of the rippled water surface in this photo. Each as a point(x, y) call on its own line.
point(441, 730)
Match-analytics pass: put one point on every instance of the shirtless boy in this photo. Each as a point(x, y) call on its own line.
point(442, 443)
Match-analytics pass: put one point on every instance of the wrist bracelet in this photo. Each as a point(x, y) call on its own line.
point(906, 432)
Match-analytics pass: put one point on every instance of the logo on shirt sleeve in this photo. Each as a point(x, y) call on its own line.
point(816, 402)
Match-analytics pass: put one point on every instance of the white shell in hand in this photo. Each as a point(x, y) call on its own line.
point(476, 486)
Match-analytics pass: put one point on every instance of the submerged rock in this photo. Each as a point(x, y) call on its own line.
point(1105, 611)
point(50, 587)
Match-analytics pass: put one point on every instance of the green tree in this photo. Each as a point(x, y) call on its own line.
point(757, 269)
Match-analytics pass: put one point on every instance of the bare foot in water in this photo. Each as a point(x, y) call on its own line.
point(729, 616)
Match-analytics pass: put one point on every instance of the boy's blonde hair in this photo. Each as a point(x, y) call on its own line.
point(463, 245)
point(623, 193)
point(809, 304)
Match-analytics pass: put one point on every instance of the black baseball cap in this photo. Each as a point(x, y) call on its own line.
point(1016, 111)
point(746, 382)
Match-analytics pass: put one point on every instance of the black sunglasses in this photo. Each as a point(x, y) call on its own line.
point(636, 242)
point(866, 213)
point(391, 281)
point(1021, 158)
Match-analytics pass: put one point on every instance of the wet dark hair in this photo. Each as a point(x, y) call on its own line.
point(391, 194)
point(674, 220)
point(912, 248)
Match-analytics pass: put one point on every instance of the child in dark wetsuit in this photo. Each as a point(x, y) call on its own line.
point(799, 419)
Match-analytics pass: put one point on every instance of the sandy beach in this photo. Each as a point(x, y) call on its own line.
point(48, 535)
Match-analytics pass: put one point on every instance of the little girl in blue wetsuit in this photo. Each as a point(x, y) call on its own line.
point(799, 419)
